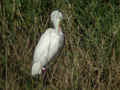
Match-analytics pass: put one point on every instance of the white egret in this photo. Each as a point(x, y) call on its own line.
point(49, 44)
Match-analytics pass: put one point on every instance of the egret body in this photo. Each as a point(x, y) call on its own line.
point(49, 44)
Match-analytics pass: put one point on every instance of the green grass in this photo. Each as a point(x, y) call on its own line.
point(90, 59)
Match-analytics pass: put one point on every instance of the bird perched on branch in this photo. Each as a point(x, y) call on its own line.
point(49, 44)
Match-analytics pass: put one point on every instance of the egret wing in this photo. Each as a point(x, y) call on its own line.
point(41, 50)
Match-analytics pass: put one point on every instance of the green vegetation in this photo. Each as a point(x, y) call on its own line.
point(90, 59)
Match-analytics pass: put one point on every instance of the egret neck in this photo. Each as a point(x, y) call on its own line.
point(57, 25)
point(59, 29)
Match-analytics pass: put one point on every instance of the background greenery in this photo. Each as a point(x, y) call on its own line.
point(90, 59)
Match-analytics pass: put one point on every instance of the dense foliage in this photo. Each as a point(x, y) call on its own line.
point(90, 59)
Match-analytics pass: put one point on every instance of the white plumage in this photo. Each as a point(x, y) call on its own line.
point(49, 44)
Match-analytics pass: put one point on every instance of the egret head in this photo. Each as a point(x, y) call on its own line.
point(56, 17)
